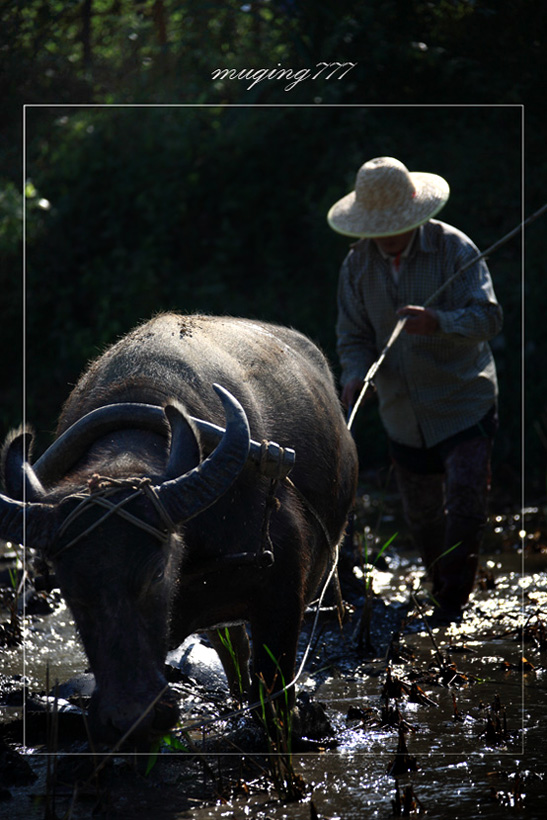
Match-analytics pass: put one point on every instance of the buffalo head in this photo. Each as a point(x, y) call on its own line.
point(116, 543)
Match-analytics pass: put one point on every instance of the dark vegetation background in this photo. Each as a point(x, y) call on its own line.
point(215, 199)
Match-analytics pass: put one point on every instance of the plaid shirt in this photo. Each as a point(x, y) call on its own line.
point(429, 387)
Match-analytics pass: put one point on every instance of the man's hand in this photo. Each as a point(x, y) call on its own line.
point(351, 391)
point(421, 321)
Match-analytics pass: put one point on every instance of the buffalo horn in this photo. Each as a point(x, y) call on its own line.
point(184, 447)
point(74, 442)
point(188, 495)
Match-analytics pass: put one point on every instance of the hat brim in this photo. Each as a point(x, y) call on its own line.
point(349, 218)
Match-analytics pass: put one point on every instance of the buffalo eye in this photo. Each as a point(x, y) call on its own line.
point(158, 575)
point(150, 576)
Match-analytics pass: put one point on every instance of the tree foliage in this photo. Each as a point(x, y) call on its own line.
point(456, 51)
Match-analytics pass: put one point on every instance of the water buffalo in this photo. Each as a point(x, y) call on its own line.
point(156, 530)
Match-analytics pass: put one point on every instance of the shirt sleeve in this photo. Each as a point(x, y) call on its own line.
point(356, 344)
point(479, 317)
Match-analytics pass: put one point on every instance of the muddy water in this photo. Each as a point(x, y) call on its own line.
point(475, 728)
point(462, 770)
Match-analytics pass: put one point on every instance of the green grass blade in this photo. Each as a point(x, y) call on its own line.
point(386, 545)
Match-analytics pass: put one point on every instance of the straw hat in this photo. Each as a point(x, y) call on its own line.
point(388, 200)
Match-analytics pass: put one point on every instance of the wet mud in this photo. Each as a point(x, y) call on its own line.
point(399, 715)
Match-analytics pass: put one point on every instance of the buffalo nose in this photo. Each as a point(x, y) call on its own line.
point(110, 722)
point(166, 714)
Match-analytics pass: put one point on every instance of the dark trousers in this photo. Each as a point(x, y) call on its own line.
point(444, 492)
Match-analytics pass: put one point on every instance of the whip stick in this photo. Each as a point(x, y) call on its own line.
point(401, 322)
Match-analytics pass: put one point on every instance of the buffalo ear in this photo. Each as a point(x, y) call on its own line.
point(185, 447)
point(34, 525)
point(19, 479)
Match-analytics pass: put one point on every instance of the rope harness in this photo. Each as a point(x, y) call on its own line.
point(102, 488)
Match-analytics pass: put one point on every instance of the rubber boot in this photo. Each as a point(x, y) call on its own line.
point(457, 569)
point(429, 541)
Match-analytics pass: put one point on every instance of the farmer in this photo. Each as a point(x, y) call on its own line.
point(437, 387)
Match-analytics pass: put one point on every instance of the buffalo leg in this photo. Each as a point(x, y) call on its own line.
point(275, 639)
point(232, 646)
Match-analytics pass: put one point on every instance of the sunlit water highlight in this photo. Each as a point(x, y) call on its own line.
point(459, 774)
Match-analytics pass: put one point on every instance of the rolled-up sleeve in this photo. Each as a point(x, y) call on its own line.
point(480, 317)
